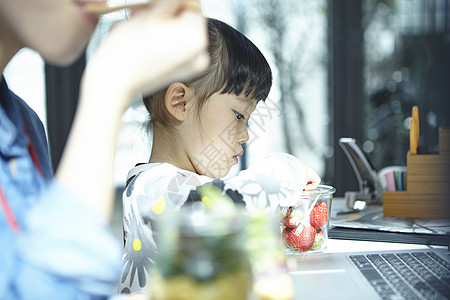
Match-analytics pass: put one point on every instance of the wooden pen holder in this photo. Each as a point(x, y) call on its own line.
point(428, 185)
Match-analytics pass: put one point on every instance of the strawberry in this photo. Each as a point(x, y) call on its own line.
point(285, 235)
point(319, 215)
point(287, 218)
point(292, 218)
point(302, 237)
point(318, 240)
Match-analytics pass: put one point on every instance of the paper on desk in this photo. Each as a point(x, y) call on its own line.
point(396, 224)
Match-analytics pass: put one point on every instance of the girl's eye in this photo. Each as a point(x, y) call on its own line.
point(238, 115)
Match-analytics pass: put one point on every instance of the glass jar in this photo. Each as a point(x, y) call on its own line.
point(202, 256)
point(271, 279)
point(305, 224)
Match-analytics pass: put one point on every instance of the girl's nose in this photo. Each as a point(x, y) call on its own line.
point(243, 134)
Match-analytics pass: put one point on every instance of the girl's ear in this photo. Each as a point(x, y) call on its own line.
point(175, 100)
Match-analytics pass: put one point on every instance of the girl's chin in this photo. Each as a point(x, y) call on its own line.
point(218, 173)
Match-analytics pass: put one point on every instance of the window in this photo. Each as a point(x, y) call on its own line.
point(407, 62)
point(385, 57)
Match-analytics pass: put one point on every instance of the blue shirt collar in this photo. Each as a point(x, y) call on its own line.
point(13, 141)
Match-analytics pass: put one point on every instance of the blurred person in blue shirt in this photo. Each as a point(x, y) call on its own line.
point(55, 240)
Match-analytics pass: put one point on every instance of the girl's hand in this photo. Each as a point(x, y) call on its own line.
point(313, 180)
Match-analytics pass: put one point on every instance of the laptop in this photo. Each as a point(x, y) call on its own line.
point(396, 274)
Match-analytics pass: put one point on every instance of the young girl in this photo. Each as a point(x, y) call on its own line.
point(198, 131)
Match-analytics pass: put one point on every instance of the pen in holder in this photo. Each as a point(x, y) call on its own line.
point(428, 184)
point(427, 180)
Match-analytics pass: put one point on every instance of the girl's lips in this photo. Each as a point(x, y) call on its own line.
point(90, 18)
point(236, 157)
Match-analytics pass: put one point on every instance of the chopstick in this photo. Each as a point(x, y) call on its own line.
point(102, 9)
point(99, 9)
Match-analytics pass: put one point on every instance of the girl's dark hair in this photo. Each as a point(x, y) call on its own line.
point(236, 66)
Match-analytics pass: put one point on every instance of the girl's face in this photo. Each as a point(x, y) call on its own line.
point(58, 29)
point(216, 136)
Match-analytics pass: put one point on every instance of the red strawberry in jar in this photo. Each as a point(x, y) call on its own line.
point(319, 240)
point(301, 238)
point(292, 218)
point(319, 215)
point(284, 235)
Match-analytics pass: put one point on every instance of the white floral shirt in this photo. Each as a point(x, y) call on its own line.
point(154, 188)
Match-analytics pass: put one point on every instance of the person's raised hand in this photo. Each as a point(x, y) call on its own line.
point(313, 180)
point(162, 43)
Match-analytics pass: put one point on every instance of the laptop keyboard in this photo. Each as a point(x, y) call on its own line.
point(415, 275)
